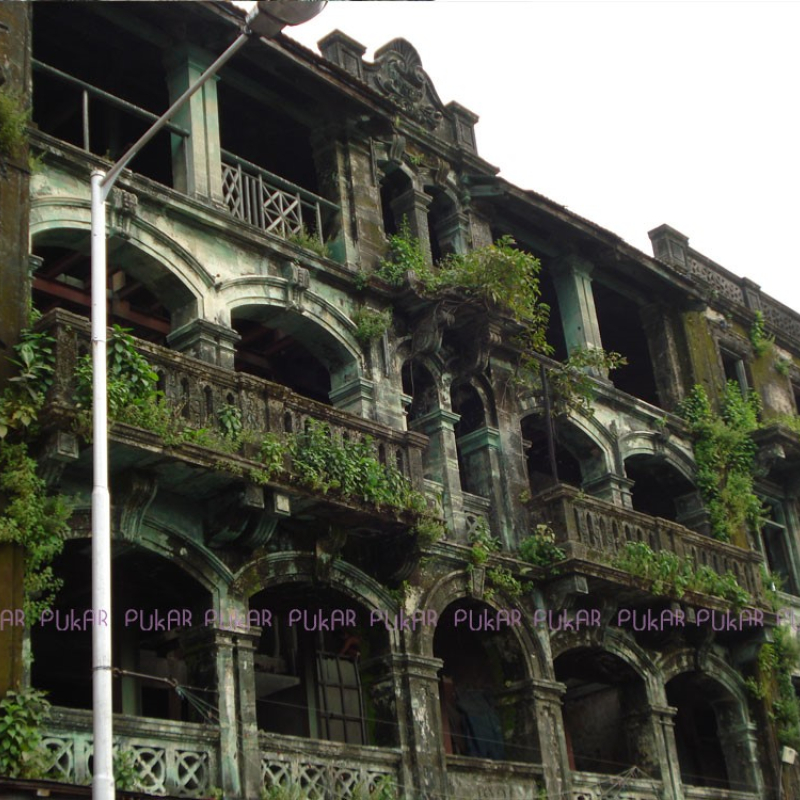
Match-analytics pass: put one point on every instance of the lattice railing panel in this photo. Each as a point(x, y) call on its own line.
point(325, 777)
point(163, 767)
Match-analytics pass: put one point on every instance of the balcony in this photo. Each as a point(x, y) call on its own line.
point(498, 780)
point(250, 193)
point(193, 465)
point(179, 759)
point(592, 786)
point(594, 531)
point(326, 770)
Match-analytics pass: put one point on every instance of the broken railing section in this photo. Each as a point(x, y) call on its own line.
point(590, 529)
point(271, 203)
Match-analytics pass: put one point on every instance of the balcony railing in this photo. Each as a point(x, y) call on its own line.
point(272, 203)
point(493, 780)
point(593, 530)
point(703, 793)
point(197, 391)
point(592, 786)
point(326, 770)
point(179, 759)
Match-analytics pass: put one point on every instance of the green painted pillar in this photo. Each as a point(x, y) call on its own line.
point(572, 277)
point(196, 160)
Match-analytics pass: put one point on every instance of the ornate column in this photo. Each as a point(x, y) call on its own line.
point(196, 160)
point(250, 768)
point(664, 727)
point(208, 653)
point(573, 282)
point(419, 680)
point(441, 461)
point(547, 698)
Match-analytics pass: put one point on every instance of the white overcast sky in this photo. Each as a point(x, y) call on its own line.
point(631, 114)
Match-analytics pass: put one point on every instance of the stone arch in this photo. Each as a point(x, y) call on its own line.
point(655, 444)
point(605, 709)
point(583, 458)
point(183, 281)
point(458, 586)
point(323, 659)
point(714, 738)
point(158, 605)
point(316, 331)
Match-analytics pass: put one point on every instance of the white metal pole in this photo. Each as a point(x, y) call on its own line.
point(103, 780)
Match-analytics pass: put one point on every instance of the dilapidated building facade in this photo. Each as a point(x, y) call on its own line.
point(285, 612)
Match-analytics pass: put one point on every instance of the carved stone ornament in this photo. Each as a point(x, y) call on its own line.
point(397, 73)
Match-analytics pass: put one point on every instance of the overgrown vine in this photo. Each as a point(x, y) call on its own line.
point(725, 454)
point(31, 517)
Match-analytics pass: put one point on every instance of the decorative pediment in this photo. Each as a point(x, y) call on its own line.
point(397, 73)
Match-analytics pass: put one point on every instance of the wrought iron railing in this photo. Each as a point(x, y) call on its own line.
point(591, 529)
point(271, 203)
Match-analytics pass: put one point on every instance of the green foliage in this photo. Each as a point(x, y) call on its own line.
point(272, 454)
point(371, 325)
point(504, 580)
point(790, 421)
point(33, 519)
point(23, 398)
point(230, 421)
point(541, 549)
point(350, 467)
point(126, 776)
point(483, 544)
point(759, 338)
point(783, 367)
point(725, 455)
point(403, 256)
point(132, 382)
point(289, 791)
point(14, 119)
point(501, 276)
point(773, 685)
point(309, 241)
point(572, 382)
point(429, 530)
point(21, 752)
point(673, 575)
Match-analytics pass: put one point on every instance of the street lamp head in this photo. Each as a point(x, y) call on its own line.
point(270, 17)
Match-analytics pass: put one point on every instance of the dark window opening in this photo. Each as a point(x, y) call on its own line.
point(578, 459)
point(146, 585)
point(473, 465)
point(393, 186)
point(697, 731)
point(75, 39)
point(555, 327)
point(262, 133)
point(64, 281)
point(796, 396)
point(603, 701)
point(442, 225)
point(481, 716)
point(776, 544)
point(419, 385)
point(735, 370)
point(276, 353)
point(317, 683)
point(622, 332)
point(657, 486)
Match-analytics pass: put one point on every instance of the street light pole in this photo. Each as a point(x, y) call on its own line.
point(266, 20)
